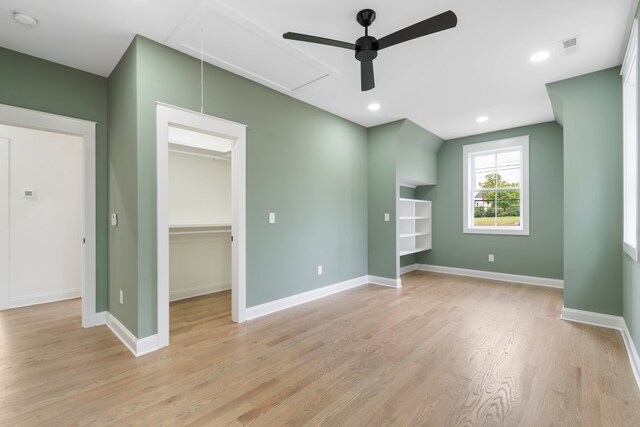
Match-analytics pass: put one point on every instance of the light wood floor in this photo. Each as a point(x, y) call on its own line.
point(443, 351)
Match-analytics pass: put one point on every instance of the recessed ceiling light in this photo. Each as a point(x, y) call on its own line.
point(374, 106)
point(482, 119)
point(25, 19)
point(540, 56)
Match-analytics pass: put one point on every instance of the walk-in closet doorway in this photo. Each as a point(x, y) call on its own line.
point(202, 213)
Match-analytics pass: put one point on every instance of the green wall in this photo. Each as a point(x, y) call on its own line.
point(304, 164)
point(631, 285)
point(123, 242)
point(383, 196)
point(407, 192)
point(41, 85)
point(417, 155)
point(592, 116)
point(539, 254)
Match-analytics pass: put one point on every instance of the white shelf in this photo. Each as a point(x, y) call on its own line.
point(198, 225)
point(414, 230)
point(403, 236)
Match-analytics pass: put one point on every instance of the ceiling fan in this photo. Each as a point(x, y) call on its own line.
point(367, 47)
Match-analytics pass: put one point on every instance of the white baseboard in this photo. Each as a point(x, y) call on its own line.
point(514, 278)
point(408, 268)
point(281, 304)
point(634, 359)
point(42, 298)
point(137, 346)
point(610, 322)
point(101, 318)
point(384, 281)
point(176, 295)
point(592, 318)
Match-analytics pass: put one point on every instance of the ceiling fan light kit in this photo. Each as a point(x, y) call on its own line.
point(367, 47)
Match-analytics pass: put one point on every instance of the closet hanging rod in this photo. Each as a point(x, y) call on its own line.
point(199, 232)
point(209, 156)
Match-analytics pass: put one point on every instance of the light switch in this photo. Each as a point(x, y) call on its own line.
point(272, 218)
point(386, 217)
point(114, 219)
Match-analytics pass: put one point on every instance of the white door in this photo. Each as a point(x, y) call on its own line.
point(45, 210)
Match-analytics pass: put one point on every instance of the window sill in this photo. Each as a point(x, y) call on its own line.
point(496, 231)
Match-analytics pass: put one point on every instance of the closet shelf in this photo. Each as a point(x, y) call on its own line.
point(198, 225)
point(182, 229)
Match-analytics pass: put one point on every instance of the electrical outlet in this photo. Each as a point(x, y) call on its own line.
point(491, 258)
point(114, 219)
point(272, 218)
point(121, 296)
point(386, 217)
point(319, 270)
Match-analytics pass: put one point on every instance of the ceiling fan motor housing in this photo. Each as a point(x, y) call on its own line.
point(366, 48)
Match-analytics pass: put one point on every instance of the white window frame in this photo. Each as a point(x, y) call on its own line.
point(471, 150)
point(630, 132)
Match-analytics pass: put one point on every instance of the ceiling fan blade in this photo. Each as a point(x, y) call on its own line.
point(367, 82)
point(441, 22)
point(319, 40)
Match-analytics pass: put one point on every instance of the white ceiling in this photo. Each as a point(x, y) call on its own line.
point(442, 82)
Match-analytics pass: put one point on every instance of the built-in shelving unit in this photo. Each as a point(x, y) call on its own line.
point(414, 226)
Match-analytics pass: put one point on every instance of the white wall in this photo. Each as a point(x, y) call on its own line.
point(199, 264)
point(45, 232)
point(199, 193)
point(199, 190)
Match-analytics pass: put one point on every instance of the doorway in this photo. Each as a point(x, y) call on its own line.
point(83, 132)
point(199, 214)
point(169, 118)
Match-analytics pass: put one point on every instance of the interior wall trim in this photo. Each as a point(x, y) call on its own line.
point(513, 278)
point(101, 318)
point(42, 298)
point(408, 268)
point(197, 291)
point(287, 302)
point(632, 351)
point(137, 346)
point(610, 322)
point(385, 281)
point(592, 318)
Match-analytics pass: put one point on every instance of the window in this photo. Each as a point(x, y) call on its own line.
point(630, 118)
point(496, 186)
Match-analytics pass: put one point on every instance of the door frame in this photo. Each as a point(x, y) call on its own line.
point(32, 119)
point(170, 115)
